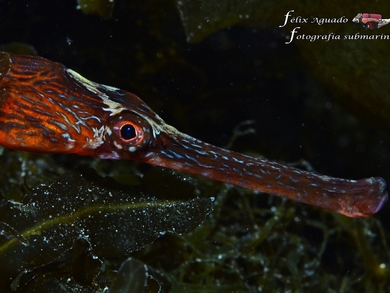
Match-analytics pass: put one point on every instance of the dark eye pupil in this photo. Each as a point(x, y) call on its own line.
point(128, 131)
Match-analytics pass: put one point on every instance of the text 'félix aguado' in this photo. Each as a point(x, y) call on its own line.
point(313, 20)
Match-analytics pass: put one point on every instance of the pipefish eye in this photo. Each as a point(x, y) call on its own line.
point(128, 131)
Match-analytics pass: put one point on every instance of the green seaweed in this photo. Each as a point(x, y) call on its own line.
point(112, 219)
point(102, 8)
